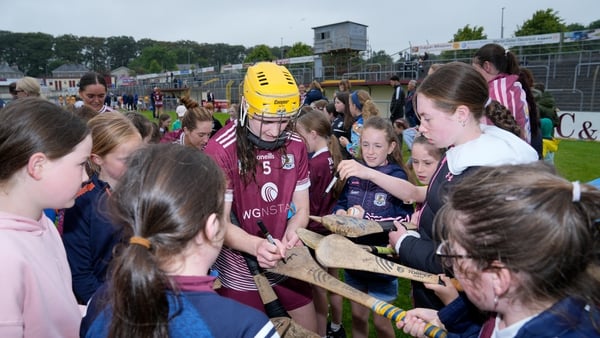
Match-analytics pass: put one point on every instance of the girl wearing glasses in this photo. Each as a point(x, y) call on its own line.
point(526, 253)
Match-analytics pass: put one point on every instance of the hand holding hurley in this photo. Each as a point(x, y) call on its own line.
point(300, 265)
point(349, 226)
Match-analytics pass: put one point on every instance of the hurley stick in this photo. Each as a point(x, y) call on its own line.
point(300, 265)
point(335, 251)
point(288, 328)
point(349, 226)
point(312, 239)
point(273, 306)
point(285, 326)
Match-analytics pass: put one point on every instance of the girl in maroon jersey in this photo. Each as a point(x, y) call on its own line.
point(267, 176)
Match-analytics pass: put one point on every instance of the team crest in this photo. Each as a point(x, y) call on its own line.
point(380, 199)
point(288, 161)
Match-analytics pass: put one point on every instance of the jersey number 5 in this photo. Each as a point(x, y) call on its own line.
point(266, 167)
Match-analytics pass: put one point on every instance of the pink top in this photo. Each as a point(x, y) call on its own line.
point(507, 90)
point(36, 294)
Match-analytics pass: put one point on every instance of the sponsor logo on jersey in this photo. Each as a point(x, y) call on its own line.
point(264, 157)
point(288, 161)
point(269, 192)
point(265, 211)
point(379, 199)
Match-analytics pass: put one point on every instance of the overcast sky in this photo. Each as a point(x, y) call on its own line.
point(393, 25)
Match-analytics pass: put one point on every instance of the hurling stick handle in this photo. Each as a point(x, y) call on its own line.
point(379, 250)
point(273, 307)
point(396, 314)
point(271, 302)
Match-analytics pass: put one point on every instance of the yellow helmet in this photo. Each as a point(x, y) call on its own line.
point(270, 91)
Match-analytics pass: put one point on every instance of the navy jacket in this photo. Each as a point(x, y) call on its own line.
point(568, 318)
point(312, 96)
point(89, 238)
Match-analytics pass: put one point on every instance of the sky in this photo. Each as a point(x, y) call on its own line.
point(393, 25)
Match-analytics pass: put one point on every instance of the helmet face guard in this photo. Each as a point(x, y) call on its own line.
point(270, 91)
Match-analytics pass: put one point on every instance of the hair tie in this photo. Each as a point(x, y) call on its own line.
point(488, 102)
point(140, 241)
point(356, 101)
point(506, 51)
point(576, 191)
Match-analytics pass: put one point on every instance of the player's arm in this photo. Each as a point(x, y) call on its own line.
point(237, 238)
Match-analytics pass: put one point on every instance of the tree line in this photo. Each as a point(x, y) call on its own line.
point(37, 54)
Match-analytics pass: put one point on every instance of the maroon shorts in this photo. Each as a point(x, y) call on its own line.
point(292, 294)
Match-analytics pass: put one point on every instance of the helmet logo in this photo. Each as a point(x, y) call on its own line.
point(269, 192)
point(281, 101)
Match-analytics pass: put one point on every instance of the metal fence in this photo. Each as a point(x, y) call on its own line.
point(569, 71)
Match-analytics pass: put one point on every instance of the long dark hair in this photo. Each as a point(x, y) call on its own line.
point(506, 62)
point(344, 97)
point(158, 199)
point(31, 125)
point(467, 88)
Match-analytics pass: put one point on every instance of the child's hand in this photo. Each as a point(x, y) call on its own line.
point(341, 212)
point(415, 320)
point(394, 236)
point(349, 168)
point(446, 293)
point(356, 211)
point(344, 141)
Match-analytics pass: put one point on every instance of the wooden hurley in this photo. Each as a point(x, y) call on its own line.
point(335, 251)
point(285, 326)
point(273, 306)
point(300, 265)
point(288, 328)
point(349, 226)
point(311, 239)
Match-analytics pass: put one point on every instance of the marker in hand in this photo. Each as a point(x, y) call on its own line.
point(335, 178)
point(266, 233)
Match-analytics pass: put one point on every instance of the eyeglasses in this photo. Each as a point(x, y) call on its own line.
point(443, 251)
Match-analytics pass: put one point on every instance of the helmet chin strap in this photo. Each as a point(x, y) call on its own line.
point(267, 145)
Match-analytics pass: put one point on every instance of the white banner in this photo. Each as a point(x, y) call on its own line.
point(579, 125)
point(475, 44)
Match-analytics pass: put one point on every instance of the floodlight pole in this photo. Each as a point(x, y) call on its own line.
point(502, 25)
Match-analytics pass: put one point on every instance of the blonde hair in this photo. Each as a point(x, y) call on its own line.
point(367, 107)
point(109, 130)
point(29, 85)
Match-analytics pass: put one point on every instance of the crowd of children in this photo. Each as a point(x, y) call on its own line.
point(137, 233)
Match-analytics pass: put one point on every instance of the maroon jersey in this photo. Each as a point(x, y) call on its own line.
point(278, 175)
point(321, 170)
